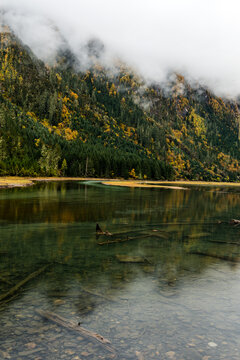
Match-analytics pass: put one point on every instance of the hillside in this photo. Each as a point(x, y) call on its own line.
point(58, 120)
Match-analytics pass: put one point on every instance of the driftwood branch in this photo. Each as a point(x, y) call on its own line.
point(15, 288)
point(75, 327)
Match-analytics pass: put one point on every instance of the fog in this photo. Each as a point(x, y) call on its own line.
point(198, 39)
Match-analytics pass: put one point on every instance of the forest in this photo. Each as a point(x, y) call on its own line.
point(57, 120)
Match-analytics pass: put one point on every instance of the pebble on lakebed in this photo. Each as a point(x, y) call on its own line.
point(212, 344)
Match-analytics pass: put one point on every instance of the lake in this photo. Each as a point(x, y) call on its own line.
point(165, 285)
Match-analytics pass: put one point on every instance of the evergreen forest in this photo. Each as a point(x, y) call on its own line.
point(58, 120)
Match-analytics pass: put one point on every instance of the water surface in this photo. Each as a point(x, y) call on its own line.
point(182, 301)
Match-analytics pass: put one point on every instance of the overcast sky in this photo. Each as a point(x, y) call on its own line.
point(198, 38)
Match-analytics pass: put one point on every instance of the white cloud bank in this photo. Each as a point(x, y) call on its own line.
point(198, 38)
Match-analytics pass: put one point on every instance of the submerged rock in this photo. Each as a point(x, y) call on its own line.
point(212, 344)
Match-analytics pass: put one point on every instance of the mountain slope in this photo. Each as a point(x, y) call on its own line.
point(57, 120)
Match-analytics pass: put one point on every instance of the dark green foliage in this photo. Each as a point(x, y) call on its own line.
point(57, 121)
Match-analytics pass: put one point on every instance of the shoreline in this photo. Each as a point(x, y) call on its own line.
point(165, 184)
point(7, 182)
point(14, 181)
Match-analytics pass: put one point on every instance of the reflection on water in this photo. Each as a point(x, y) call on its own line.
point(169, 291)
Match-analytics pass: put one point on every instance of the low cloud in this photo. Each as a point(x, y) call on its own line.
point(198, 39)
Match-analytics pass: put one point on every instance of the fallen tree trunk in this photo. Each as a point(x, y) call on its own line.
point(75, 327)
point(123, 240)
point(198, 235)
point(129, 234)
point(224, 242)
point(221, 257)
point(130, 238)
point(187, 223)
point(130, 259)
point(234, 222)
point(158, 235)
point(100, 232)
point(114, 241)
point(15, 288)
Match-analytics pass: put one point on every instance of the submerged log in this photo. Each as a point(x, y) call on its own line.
point(123, 240)
point(159, 235)
point(97, 294)
point(99, 231)
point(131, 259)
point(15, 288)
point(198, 235)
point(114, 241)
point(224, 242)
point(189, 223)
point(234, 222)
point(131, 233)
point(70, 325)
point(220, 257)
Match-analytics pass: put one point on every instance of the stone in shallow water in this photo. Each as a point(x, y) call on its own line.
point(59, 302)
point(17, 332)
point(31, 345)
point(69, 352)
point(151, 347)
point(85, 353)
point(5, 355)
point(80, 338)
point(29, 352)
point(191, 344)
point(212, 344)
point(170, 354)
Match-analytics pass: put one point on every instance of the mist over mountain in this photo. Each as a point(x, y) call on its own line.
point(197, 39)
point(61, 117)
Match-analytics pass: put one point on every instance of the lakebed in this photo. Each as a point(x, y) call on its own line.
point(167, 288)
